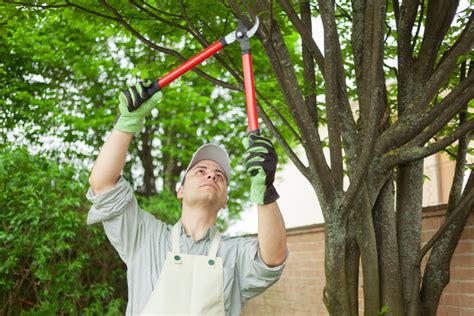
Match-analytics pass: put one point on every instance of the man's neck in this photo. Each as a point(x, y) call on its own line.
point(196, 221)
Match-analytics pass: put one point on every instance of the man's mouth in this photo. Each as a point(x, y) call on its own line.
point(209, 185)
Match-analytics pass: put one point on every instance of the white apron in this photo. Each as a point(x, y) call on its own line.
point(189, 284)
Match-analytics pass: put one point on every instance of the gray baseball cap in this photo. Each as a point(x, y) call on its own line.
point(212, 152)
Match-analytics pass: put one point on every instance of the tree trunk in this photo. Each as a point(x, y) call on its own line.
point(387, 249)
point(335, 294)
point(436, 275)
point(409, 208)
point(368, 252)
point(352, 268)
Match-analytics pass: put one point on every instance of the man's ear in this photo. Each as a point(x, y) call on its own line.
point(179, 193)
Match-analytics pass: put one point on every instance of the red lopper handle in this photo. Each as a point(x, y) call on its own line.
point(190, 63)
point(250, 92)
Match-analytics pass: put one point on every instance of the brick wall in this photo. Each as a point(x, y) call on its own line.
point(299, 291)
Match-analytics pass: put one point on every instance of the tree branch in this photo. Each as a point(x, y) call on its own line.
point(195, 33)
point(332, 62)
point(349, 130)
point(412, 153)
point(39, 6)
point(445, 68)
point(439, 17)
point(294, 158)
point(309, 75)
point(373, 89)
point(405, 21)
point(280, 116)
point(407, 127)
point(159, 18)
point(282, 64)
point(161, 11)
point(146, 41)
point(418, 27)
point(438, 124)
point(204, 43)
point(458, 178)
point(305, 33)
point(464, 205)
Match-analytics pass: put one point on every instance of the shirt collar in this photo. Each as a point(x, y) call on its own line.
point(211, 232)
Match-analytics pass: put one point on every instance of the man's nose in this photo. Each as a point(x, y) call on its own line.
point(211, 176)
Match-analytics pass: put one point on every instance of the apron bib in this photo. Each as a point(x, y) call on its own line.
point(189, 284)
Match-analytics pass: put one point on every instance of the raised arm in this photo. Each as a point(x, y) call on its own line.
point(109, 164)
point(271, 234)
point(260, 163)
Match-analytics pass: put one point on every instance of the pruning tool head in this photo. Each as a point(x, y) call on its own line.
point(241, 33)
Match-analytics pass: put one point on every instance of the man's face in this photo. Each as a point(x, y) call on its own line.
point(205, 184)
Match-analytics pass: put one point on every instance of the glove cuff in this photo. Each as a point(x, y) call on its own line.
point(129, 125)
point(271, 195)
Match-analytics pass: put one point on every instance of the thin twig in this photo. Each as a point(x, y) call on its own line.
point(420, 20)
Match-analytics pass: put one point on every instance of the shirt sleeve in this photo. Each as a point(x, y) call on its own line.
point(254, 275)
point(125, 224)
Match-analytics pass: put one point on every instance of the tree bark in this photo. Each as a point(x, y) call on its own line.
point(409, 207)
point(352, 267)
point(436, 275)
point(366, 241)
point(335, 293)
point(387, 250)
point(437, 272)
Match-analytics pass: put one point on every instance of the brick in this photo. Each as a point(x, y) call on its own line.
point(466, 287)
point(448, 311)
point(464, 247)
point(462, 273)
point(452, 287)
point(454, 262)
point(430, 223)
point(466, 300)
point(426, 236)
point(465, 260)
point(450, 299)
point(468, 233)
point(466, 312)
point(300, 289)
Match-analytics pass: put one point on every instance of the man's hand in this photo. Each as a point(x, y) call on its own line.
point(261, 162)
point(135, 104)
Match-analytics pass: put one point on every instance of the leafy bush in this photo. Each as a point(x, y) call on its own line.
point(50, 261)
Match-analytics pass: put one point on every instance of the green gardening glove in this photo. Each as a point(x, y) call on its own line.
point(260, 163)
point(135, 104)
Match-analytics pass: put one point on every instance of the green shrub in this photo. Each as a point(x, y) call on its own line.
point(50, 261)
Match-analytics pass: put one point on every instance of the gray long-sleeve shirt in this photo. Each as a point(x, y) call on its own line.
point(143, 243)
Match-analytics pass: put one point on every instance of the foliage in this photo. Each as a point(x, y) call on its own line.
point(64, 102)
point(50, 262)
point(392, 86)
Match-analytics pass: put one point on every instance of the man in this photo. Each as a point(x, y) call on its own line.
point(188, 268)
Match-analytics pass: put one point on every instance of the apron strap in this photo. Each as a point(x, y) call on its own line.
point(175, 249)
point(214, 245)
